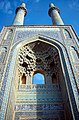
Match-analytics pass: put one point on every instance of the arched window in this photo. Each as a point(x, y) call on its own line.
point(23, 80)
point(54, 79)
point(38, 78)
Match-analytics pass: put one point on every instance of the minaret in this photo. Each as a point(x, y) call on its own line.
point(54, 14)
point(20, 13)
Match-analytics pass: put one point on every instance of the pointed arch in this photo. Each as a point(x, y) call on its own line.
point(63, 58)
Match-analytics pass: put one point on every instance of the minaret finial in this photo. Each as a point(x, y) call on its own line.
point(51, 5)
point(20, 13)
point(54, 14)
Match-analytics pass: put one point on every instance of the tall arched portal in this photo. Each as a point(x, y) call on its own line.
point(45, 97)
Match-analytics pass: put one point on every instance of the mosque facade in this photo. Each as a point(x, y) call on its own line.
point(48, 50)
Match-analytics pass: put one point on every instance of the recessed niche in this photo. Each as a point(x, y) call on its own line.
point(23, 80)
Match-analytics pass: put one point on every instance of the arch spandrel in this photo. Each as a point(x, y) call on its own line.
point(36, 37)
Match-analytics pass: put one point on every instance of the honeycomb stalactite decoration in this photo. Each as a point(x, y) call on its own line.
point(38, 56)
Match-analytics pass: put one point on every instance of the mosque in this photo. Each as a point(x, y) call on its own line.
point(30, 51)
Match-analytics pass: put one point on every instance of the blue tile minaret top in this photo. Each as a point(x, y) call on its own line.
point(54, 14)
point(20, 13)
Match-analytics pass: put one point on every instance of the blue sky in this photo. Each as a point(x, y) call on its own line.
point(38, 78)
point(38, 12)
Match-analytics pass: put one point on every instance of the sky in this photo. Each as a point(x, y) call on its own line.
point(38, 78)
point(37, 12)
